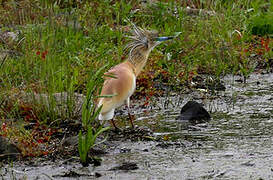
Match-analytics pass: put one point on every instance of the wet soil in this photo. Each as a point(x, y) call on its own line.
point(236, 144)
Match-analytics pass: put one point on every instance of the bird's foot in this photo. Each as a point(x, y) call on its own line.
point(132, 118)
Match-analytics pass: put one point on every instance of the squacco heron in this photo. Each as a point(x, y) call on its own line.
point(120, 81)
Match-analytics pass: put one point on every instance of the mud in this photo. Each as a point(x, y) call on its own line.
point(236, 144)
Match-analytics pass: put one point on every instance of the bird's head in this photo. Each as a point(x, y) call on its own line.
point(144, 41)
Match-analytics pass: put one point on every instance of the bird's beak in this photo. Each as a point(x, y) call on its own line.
point(160, 39)
point(165, 38)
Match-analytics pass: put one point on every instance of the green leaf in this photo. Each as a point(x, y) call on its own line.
point(82, 148)
point(99, 132)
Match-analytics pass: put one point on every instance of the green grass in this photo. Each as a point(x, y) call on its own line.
point(61, 43)
point(90, 128)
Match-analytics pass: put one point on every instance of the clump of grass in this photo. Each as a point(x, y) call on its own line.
point(90, 128)
point(262, 24)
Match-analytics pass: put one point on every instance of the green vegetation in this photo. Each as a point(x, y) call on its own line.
point(262, 24)
point(89, 113)
point(59, 43)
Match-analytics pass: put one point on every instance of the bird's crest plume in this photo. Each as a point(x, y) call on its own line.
point(141, 40)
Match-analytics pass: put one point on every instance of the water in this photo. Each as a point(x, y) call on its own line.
point(236, 144)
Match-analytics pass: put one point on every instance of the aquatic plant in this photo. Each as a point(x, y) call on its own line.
point(90, 128)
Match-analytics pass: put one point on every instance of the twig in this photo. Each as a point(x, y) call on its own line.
point(8, 154)
point(3, 60)
point(73, 157)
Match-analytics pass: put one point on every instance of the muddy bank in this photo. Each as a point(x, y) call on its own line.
point(236, 143)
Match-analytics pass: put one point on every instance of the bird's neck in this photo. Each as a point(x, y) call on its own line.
point(138, 61)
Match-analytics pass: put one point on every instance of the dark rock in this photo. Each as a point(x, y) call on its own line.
point(71, 174)
point(194, 112)
point(163, 145)
point(96, 161)
point(8, 150)
point(97, 175)
point(126, 166)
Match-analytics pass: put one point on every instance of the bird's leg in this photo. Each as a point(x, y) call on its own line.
point(129, 114)
point(114, 124)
